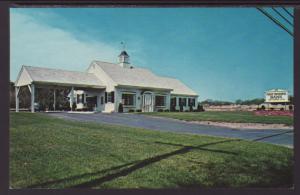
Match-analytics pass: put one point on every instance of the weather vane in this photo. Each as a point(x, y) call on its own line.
point(123, 44)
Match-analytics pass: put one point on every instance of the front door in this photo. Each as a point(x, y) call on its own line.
point(148, 103)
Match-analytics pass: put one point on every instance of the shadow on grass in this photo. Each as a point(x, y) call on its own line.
point(73, 178)
point(149, 161)
point(135, 166)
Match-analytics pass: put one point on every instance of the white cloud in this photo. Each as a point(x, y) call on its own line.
point(35, 43)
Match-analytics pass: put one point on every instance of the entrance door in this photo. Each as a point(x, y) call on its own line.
point(148, 102)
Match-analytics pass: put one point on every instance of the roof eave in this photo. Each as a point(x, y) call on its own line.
point(69, 84)
point(181, 94)
point(142, 87)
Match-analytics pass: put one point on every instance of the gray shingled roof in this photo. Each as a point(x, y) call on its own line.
point(48, 75)
point(178, 87)
point(142, 77)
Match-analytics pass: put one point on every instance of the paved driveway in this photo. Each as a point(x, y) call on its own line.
point(278, 136)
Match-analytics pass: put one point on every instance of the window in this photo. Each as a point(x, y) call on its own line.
point(128, 99)
point(173, 101)
point(110, 97)
point(182, 101)
point(80, 98)
point(192, 102)
point(160, 100)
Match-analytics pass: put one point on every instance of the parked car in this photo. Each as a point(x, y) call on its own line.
point(274, 106)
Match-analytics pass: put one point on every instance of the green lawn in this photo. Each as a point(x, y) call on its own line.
point(225, 116)
point(47, 152)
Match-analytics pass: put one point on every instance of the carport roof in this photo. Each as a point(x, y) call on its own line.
point(60, 77)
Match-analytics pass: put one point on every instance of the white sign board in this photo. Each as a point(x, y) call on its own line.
point(277, 96)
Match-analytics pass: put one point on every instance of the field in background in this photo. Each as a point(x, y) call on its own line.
point(47, 152)
point(225, 116)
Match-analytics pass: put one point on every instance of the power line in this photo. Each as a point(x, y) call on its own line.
point(287, 12)
point(282, 16)
point(275, 21)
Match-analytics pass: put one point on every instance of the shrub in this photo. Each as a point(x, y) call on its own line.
point(120, 108)
point(200, 108)
point(271, 108)
point(281, 109)
point(181, 108)
point(42, 107)
point(263, 107)
point(173, 108)
point(74, 106)
point(139, 110)
point(131, 110)
point(167, 110)
point(160, 110)
point(290, 107)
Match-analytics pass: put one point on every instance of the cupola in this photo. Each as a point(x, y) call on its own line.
point(124, 59)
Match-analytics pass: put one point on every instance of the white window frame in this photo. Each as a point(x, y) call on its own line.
point(165, 100)
point(134, 99)
point(109, 97)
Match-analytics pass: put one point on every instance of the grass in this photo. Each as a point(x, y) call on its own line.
point(47, 152)
point(225, 116)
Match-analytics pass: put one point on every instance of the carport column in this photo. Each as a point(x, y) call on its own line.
point(71, 98)
point(98, 102)
point(17, 89)
point(32, 98)
point(54, 99)
point(177, 103)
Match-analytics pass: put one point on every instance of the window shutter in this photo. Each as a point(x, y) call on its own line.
point(105, 97)
point(112, 97)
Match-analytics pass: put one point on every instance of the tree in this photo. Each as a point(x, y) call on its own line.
point(291, 99)
point(239, 101)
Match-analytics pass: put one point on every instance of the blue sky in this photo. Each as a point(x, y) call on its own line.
point(221, 53)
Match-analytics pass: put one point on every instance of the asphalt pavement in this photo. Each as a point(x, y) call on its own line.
point(275, 136)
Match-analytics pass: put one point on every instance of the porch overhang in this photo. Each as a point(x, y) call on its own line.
point(57, 84)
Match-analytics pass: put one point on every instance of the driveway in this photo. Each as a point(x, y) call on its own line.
point(277, 136)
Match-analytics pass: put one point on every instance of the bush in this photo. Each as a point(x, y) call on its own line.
point(290, 107)
point(271, 108)
point(120, 108)
point(181, 108)
point(167, 110)
point(131, 110)
point(281, 109)
point(74, 106)
point(42, 107)
point(263, 107)
point(160, 110)
point(139, 110)
point(200, 108)
point(173, 108)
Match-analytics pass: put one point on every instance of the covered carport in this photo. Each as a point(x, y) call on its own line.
point(54, 79)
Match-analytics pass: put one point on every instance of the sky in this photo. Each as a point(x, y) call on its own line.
point(221, 53)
